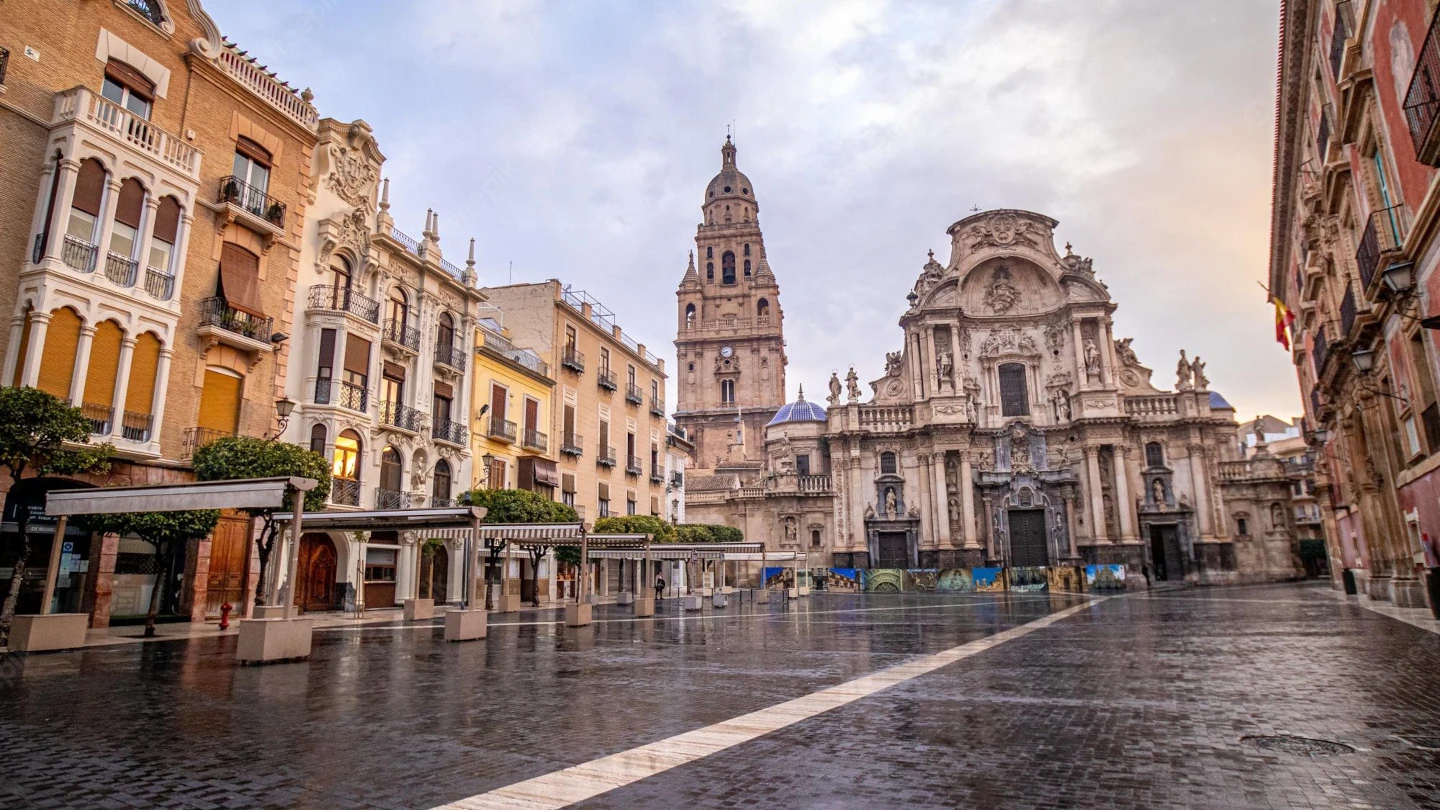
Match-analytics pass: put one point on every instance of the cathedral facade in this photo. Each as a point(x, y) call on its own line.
point(1010, 427)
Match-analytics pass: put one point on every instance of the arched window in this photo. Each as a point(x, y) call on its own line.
point(57, 361)
point(159, 275)
point(762, 309)
point(388, 495)
point(440, 484)
point(445, 333)
point(82, 226)
point(709, 271)
point(318, 434)
point(815, 538)
point(1014, 399)
point(747, 268)
point(747, 249)
point(689, 316)
point(727, 391)
point(888, 464)
point(136, 423)
point(345, 469)
point(397, 314)
point(1154, 454)
point(727, 268)
point(342, 273)
point(98, 400)
point(125, 233)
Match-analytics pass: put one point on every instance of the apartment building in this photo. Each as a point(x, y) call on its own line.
point(607, 407)
point(512, 441)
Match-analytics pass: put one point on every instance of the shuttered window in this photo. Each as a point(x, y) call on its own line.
point(104, 362)
point(131, 205)
point(240, 279)
point(220, 402)
point(166, 231)
point(89, 187)
point(144, 365)
point(357, 359)
point(1014, 400)
point(325, 365)
point(57, 365)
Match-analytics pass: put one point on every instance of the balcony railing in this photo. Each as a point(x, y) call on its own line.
point(632, 465)
point(572, 444)
point(1347, 311)
point(634, 395)
point(244, 70)
point(343, 299)
point(121, 269)
point(4, 63)
point(389, 499)
point(398, 333)
point(606, 457)
point(99, 416)
point(448, 355)
point(80, 103)
point(438, 502)
point(216, 312)
point(159, 284)
point(1422, 101)
point(136, 427)
point(449, 430)
point(572, 359)
point(535, 440)
point(78, 254)
point(1384, 233)
point(605, 378)
point(657, 407)
point(657, 475)
point(400, 416)
point(344, 492)
point(501, 430)
point(253, 200)
point(197, 437)
point(345, 394)
point(503, 347)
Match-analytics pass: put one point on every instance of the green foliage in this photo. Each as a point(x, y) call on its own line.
point(431, 547)
point(159, 528)
point(236, 457)
point(637, 524)
point(35, 430)
point(518, 506)
point(707, 533)
point(567, 555)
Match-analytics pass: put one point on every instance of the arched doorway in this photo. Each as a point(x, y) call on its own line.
point(316, 578)
point(434, 571)
point(389, 495)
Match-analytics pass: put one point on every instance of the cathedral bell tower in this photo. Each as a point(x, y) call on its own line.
point(730, 343)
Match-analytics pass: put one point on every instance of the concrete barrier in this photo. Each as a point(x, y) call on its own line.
point(264, 641)
point(465, 625)
point(55, 631)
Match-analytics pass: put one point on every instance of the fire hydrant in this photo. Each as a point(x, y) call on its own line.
point(225, 615)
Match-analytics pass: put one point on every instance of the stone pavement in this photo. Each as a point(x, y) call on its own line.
point(1137, 701)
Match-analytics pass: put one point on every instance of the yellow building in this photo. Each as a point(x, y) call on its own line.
point(511, 408)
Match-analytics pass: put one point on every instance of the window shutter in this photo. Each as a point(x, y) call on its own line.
point(138, 82)
point(89, 187)
point(220, 402)
point(357, 355)
point(57, 364)
point(253, 150)
point(104, 362)
point(604, 491)
point(444, 390)
point(240, 279)
point(326, 364)
point(394, 371)
point(167, 220)
point(131, 204)
point(567, 483)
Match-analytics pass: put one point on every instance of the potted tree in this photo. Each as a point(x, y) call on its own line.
point(417, 609)
point(275, 213)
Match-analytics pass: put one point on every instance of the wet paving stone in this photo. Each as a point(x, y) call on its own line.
point(1134, 702)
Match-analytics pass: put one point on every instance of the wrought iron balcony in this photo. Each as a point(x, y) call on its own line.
point(343, 299)
point(657, 407)
point(606, 457)
point(572, 359)
point(159, 284)
point(501, 430)
point(657, 475)
point(4, 63)
point(632, 465)
point(1347, 311)
point(136, 427)
point(400, 416)
point(437, 502)
point(121, 269)
point(1422, 101)
point(78, 254)
point(99, 416)
point(1384, 236)
point(449, 430)
point(572, 444)
point(390, 499)
point(634, 395)
point(605, 378)
point(216, 312)
point(401, 335)
point(253, 200)
point(535, 440)
point(345, 394)
point(197, 437)
point(448, 355)
point(344, 492)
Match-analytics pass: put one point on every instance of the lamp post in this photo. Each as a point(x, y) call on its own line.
point(283, 408)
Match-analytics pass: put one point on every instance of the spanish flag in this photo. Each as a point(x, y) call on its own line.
point(1283, 319)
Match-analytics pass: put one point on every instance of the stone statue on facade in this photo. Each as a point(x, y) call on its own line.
point(834, 398)
point(1259, 430)
point(893, 362)
point(945, 365)
point(1197, 368)
point(869, 512)
point(1092, 358)
point(1125, 353)
point(1001, 295)
point(1159, 491)
point(852, 385)
point(891, 508)
point(1183, 381)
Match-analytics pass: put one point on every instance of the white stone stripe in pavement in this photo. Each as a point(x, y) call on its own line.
point(587, 780)
point(1415, 617)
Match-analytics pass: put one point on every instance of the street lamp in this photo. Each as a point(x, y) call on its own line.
point(283, 408)
point(1399, 277)
point(1364, 359)
point(485, 461)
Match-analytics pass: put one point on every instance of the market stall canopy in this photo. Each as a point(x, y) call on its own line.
point(687, 551)
point(400, 520)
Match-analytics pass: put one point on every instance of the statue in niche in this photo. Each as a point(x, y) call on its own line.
point(852, 385)
point(1060, 402)
point(791, 533)
point(1092, 358)
point(892, 365)
point(891, 510)
point(1001, 295)
point(971, 410)
point(1159, 488)
point(1197, 368)
point(1182, 374)
point(945, 365)
point(954, 505)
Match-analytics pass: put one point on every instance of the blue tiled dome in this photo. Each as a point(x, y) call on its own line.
point(798, 411)
point(1218, 403)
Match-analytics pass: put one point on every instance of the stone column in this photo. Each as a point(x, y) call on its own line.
point(107, 221)
point(1202, 491)
point(1082, 379)
point(35, 350)
point(941, 501)
point(177, 262)
point(1122, 494)
point(924, 491)
point(65, 196)
point(157, 400)
point(967, 501)
point(147, 238)
point(917, 365)
point(82, 365)
point(1070, 525)
point(42, 207)
point(122, 385)
point(1097, 504)
point(13, 360)
point(406, 571)
point(989, 532)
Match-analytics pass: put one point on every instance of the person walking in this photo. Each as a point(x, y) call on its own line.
point(659, 588)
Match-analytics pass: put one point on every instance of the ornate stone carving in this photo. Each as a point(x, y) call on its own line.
point(1092, 358)
point(1002, 230)
point(1055, 336)
point(893, 364)
point(1183, 381)
point(834, 398)
point(1125, 354)
point(1007, 340)
point(852, 385)
point(930, 276)
point(352, 177)
point(1002, 295)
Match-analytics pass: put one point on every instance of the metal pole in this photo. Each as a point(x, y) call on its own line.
point(762, 568)
point(291, 573)
point(52, 573)
point(584, 567)
point(645, 568)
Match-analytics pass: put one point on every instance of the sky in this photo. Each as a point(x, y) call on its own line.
point(574, 140)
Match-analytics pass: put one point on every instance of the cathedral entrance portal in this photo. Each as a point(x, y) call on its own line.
point(1167, 561)
point(894, 550)
point(1027, 538)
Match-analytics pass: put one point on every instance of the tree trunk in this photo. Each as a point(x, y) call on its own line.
point(535, 575)
point(266, 546)
point(430, 584)
point(22, 527)
point(162, 580)
point(495, 565)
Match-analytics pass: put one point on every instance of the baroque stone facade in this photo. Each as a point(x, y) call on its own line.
point(1009, 428)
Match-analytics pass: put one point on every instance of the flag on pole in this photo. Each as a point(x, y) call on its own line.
point(1283, 319)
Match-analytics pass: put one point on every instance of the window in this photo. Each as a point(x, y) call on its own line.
point(689, 316)
point(567, 489)
point(164, 235)
point(390, 470)
point(1423, 397)
point(380, 564)
point(802, 464)
point(727, 268)
point(317, 439)
point(655, 390)
point(888, 465)
point(440, 484)
point(346, 463)
point(762, 309)
point(397, 311)
point(129, 209)
point(126, 87)
point(727, 391)
point(604, 450)
point(747, 268)
point(604, 361)
point(630, 503)
point(1014, 400)
point(445, 333)
point(392, 390)
point(1154, 454)
point(498, 469)
point(1241, 526)
point(630, 375)
point(814, 538)
point(570, 338)
point(251, 168)
point(747, 249)
point(603, 491)
point(710, 252)
point(709, 272)
point(87, 200)
point(568, 424)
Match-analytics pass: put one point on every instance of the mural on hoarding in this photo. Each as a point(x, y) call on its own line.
point(1063, 578)
point(988, 580)
point(955, 580)
point(843, 580)
point(922, 580)
point(1105, 577)
point(1027, 579)
point(882, 580)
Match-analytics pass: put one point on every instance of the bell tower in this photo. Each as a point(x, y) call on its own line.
point(729, 342)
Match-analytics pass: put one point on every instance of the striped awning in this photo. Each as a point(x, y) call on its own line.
point(457, 517)
point(520, 532)
point(686, 551)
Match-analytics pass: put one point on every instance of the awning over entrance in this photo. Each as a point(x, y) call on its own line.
point(688, 551)
point(558, 534)
point(400, 520)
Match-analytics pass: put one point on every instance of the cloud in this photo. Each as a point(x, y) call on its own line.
point(575, 140)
